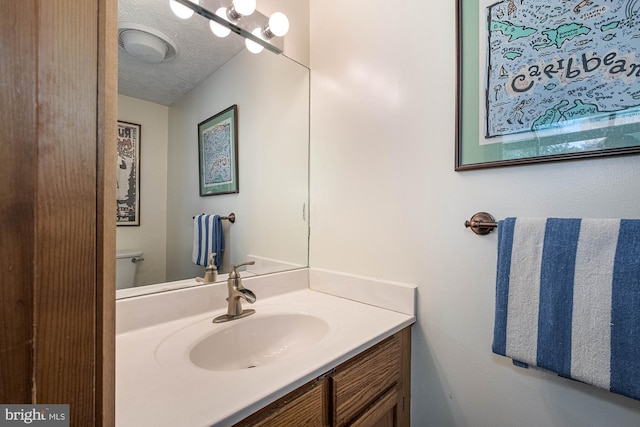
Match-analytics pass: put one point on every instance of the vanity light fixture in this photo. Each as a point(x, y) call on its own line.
point(233, 13)
point(240, 8)
point(180, 10)
point(252, 46)
point(217, 29)
point(228, 19)
point(278, 26)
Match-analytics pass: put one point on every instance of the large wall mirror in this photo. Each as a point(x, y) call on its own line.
point(169, 99)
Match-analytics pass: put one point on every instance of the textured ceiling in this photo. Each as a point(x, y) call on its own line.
point(199, 52)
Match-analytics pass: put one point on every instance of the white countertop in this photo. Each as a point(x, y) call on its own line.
point(157, 385)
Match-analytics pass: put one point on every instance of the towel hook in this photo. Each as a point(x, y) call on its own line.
point(481, 223)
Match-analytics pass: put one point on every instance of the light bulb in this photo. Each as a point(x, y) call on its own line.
point(244, 7)
point(252, 46)
point(278, 24)
point(217, 29)
point(181, 10)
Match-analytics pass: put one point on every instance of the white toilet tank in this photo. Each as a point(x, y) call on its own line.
point(126, 264)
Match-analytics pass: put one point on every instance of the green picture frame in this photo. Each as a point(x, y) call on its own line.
point(218, 153)
point(610, 134)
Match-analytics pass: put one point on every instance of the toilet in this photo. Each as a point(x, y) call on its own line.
point(126, 264)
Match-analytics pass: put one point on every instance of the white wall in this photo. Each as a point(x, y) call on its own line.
point(386, 203)
point(150, 236)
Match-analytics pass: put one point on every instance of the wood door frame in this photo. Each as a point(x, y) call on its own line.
point(58, 97)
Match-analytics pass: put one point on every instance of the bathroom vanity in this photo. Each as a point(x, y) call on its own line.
point(321, 348)
point(371, 389)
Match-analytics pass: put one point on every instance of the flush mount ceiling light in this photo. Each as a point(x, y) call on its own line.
point(145, 43)
point(228, 19)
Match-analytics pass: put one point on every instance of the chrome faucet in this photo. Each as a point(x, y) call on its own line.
point(236, 292)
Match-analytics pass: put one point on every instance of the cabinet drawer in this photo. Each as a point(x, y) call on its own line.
point(303, 407)
point(360, 381)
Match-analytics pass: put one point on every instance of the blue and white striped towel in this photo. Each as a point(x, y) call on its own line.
point(568, 298)
point(207, 237)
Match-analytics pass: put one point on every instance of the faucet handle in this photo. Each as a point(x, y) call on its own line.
point(233, 273)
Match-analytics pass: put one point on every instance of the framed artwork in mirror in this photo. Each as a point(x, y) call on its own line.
point(218, 153)
point(546, 80)
point(128, 174)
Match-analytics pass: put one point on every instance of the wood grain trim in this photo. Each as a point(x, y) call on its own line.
point(53, 224)
point(65, 257)
point(107, 115)
point(404, 386)
point(18, 151)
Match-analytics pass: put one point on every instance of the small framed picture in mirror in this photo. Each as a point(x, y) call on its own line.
point(218, 153)
point(128, 174)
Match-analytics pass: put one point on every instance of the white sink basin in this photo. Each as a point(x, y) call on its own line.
point(258, 341)
point(292, 338)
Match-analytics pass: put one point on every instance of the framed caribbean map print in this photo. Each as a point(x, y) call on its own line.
point(218, 153)
point(543, 80)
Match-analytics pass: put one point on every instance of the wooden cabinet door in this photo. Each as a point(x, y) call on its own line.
point(383, 413)
point(364, 379)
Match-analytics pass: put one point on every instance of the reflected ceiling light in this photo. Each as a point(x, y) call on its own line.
point(182, 11)
point(145, 43)
point(217, 29)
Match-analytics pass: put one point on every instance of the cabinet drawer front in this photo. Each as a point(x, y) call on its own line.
point(306, 409)
point(357, 384)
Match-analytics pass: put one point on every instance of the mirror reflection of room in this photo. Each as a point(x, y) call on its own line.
point(199, 76)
